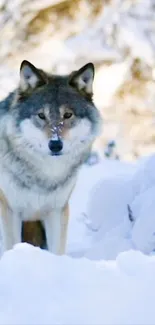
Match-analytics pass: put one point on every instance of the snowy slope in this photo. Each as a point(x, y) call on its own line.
point(98, 203)
point(37, 287)
point(108, 278)
point(100, 227)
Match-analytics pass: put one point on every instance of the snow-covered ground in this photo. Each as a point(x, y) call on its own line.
point(113, 209)
point(39, 288)
point(107, 276)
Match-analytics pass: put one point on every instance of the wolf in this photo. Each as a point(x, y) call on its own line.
point(47, 127)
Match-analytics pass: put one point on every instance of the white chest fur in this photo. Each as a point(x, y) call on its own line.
point(29, 203)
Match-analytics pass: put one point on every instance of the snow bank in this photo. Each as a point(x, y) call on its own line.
point(97, 206)
point(37, 287)
point(100, 227)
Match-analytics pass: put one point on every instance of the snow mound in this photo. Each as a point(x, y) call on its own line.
point(113, 209)
point(39, 288)
point(98, 204)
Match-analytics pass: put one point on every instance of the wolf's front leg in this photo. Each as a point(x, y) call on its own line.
point(10, 227)
point(6, 228)
point(56, 226)
point(11, 232)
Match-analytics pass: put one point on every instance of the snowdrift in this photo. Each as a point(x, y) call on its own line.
point(37, 287)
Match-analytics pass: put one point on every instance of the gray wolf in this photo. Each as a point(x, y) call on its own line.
point(47, 128)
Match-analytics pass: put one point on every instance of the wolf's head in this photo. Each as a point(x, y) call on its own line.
point(55, 114)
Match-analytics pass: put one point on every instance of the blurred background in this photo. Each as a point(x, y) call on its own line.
point(118, 36)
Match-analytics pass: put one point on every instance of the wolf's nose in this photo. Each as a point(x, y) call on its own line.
point(55, 145)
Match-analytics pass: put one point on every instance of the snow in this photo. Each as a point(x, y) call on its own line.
point(41, 288)
point(112, 188)
point(92, 212)
point(107, 275)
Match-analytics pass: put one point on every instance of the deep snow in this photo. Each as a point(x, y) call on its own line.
point(109, 276)
point(37, 287)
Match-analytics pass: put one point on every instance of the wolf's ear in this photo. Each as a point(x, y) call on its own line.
point(82, 79)
point(30, 76)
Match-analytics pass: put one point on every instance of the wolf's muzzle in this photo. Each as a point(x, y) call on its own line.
point(55, 146)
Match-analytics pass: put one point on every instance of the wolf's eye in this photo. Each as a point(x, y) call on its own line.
point(67, 115)
point(41, 116)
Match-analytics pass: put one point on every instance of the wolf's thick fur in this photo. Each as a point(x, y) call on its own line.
point(35, 180)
